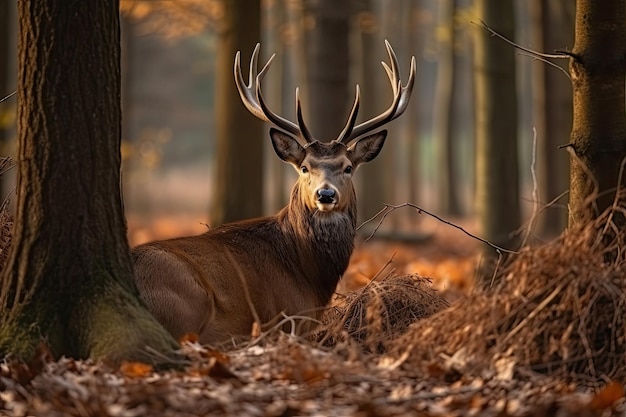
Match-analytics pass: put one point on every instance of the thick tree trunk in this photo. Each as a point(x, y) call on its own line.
point(497, 183)
point(68, 281)
point(5, 29)
point(239, 180)
point(598, 140)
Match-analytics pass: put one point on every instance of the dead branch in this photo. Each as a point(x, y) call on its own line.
point(8, 97)
point(390, 207)
point(541, 56)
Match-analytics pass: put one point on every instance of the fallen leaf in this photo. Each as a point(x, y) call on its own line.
point(607, 396)
point(135, 369)
point(189, 338)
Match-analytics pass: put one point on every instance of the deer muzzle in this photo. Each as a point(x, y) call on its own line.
point(326, 199)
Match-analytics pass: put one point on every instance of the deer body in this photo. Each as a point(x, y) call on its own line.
point(219, 283)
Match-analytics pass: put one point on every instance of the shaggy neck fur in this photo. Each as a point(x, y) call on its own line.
point(323, 241)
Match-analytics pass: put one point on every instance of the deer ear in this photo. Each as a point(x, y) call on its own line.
point(367, 148)
point(286, 147)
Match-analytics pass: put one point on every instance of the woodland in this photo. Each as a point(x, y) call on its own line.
point(489, 271)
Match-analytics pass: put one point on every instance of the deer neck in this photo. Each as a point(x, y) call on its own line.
point(324, 242)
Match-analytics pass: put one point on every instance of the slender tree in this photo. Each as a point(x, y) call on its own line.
point(443, 128)
point(239, 180)
point(497, 183)
point(373, 188)
point(328, 70)
point(552, 26)
point(68, 280)
point(598, 139)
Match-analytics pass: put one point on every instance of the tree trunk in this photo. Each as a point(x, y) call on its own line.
point(239, 149)
point(373, 190)
point(328, 57)
point(68, 281)
point(273, 25)
point(5, 29)
point(497, 183)
point(552, 29)
point(598, 140)
point(446, 169)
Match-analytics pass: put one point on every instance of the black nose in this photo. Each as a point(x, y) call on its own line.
point(326, 195)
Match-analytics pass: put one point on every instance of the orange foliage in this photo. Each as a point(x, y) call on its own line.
point(135, 369)
point(174, 19)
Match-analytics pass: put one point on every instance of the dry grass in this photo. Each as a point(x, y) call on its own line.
point(558, 309)
point(379, 312)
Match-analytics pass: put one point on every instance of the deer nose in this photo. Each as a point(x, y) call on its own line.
point(326, 195)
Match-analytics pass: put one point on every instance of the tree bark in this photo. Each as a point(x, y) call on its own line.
point(239, 179)
point(598, 139)
point(497, 177)
point(5, 29)
point(68, 281)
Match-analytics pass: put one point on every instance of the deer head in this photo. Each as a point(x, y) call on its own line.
point(325, 168)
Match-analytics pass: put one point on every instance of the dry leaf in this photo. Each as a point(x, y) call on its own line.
point(189, 338)
point(607, 396)
point(135, 369)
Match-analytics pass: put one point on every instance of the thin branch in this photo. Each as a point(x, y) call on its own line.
point(560, 68)
point(532, 52)
point(380, 271)
point(535, 193)
point(8, 97)
point(533, 313)
point(390, 207)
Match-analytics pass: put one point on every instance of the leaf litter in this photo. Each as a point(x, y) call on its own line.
point(547, 339)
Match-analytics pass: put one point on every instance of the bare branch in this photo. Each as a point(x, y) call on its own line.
point(552, 64)
point(559, 55)
point(391, 207)
point(8, 97)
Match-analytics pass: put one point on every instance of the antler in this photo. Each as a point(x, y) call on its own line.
point(401, 96)
point(252, 98)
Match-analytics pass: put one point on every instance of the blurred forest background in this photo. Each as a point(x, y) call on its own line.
point(174, 131)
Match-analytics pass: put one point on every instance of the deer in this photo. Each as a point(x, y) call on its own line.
point(218, 284)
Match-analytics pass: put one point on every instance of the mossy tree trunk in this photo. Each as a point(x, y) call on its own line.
point(598, 140)
point(239, 147)
point(68, 280)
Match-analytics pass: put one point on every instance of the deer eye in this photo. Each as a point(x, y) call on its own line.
point(348, 169)
point(304, 169)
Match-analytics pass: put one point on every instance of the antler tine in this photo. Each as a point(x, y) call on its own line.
point(401, 96)
point(345, 133)
point(252, 97)
point(306, 133)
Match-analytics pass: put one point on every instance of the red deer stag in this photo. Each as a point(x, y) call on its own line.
point(219, 283)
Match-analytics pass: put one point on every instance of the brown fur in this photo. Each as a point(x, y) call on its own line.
point(290, 262)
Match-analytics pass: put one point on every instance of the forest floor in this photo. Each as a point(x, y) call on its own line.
point(418, 339)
